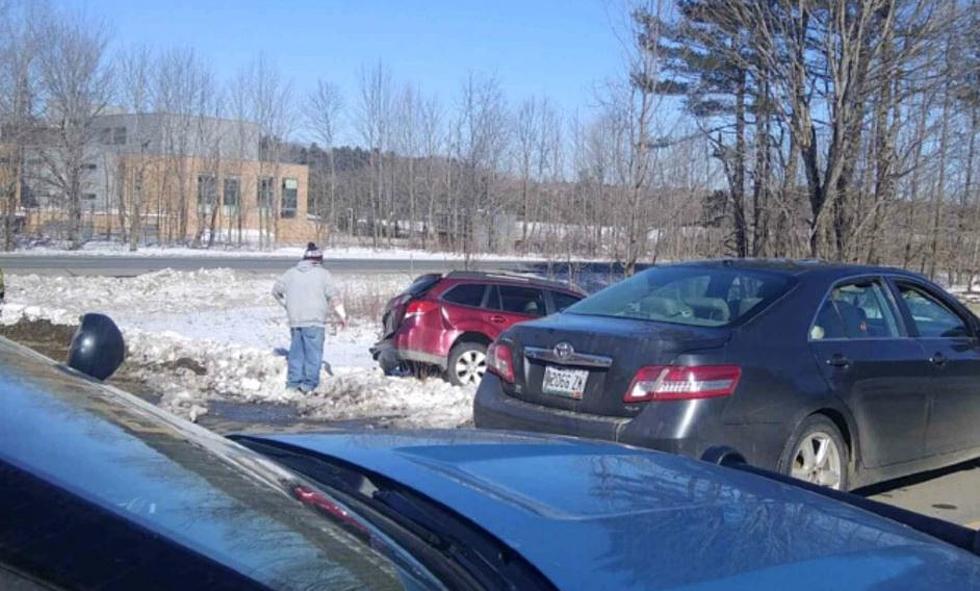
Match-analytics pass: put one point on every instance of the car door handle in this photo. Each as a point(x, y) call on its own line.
point(938, 359)
point(497, 319)
point(838, 360)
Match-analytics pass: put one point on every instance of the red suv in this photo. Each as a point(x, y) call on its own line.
point(448, 321)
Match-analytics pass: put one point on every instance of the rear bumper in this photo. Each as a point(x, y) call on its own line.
point(388, 355)
point(493, 409)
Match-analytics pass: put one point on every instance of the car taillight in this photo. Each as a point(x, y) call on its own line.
point(500, 360)
point(677, 382)
point(319, 501)
point(420, 307)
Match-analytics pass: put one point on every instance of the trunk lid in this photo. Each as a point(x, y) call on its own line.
point(394, 311)
point(610, 349)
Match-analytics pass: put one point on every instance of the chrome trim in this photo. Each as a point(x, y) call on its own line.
point(575, 358)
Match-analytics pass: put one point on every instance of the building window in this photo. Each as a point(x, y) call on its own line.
point(289, 196)
point(232, 193)
point(105, 136)
point(266, 184)
point(89, 166)
point(207, 191)
point(119, 136)
point(88, 197)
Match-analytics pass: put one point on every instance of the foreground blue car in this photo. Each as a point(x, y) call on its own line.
point(102, 491)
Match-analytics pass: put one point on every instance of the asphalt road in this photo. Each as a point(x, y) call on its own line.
point(125, 266)
point(952, 494)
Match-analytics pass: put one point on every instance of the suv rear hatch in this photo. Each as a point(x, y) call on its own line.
point(394, 311)
point(611, 350)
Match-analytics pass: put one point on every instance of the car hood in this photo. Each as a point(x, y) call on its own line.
point(593, 515)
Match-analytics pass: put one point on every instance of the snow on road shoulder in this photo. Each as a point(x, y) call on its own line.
point(218, 334)
point(116, 249)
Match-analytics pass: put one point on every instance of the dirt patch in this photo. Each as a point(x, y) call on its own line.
point(51, 340)
point(54, 340)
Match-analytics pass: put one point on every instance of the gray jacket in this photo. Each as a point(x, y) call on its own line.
point(305, 291)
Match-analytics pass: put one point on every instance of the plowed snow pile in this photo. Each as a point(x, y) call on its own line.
point(218, 334)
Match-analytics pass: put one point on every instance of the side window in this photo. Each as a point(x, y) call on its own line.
point(855, 311)
point(563, 300)
point(466, 294)
point(931, 317)
point(522, 300)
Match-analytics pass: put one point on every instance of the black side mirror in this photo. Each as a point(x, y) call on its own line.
point(97, 349)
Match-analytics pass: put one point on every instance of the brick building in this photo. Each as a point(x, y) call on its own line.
point(186, 178)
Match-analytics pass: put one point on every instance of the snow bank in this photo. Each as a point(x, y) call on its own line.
point(218, 334)
point(194, 371)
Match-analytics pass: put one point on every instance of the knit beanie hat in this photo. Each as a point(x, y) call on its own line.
point(313, 253)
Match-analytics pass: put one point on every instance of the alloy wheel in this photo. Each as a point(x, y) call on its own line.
point(818, 460)
point(470, 367)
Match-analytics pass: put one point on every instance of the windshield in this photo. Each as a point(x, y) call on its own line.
point(695, 295)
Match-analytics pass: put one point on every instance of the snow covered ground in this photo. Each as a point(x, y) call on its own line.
point(218, 334)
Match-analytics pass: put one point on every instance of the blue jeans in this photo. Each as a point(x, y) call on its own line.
point(305, 357)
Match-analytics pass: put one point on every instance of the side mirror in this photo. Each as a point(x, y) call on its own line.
point(97, 349)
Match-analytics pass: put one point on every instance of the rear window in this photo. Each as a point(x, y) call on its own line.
point(467, 294)
point(422, 284)
point(695, 296)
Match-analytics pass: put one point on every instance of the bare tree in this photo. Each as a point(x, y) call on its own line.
point(373, 123)
point(19, 103)
point(135, 76)
point(274, 112)
point(178, 81)
point(76, 83)
point(634, 103)
point(433, 146)
point(323, 111)
point(482, 138)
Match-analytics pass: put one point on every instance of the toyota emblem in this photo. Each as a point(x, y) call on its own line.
point(563, 351)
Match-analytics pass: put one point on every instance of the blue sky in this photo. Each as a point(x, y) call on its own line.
point(558, 48)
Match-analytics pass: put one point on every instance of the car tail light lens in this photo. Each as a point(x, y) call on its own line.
point(420, 308)
point(500, 360)
point(678, 382)
point(319, 501)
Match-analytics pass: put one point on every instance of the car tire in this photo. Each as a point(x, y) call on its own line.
point(817, 453)
point(467, 363)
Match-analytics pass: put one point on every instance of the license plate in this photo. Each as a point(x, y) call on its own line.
point(569, 383)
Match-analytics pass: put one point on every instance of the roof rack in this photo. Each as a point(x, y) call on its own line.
point(508, 276)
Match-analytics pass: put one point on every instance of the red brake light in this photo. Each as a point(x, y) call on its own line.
point(320, 501)
point(500, 360)
point(676, 382)
point(420, 307)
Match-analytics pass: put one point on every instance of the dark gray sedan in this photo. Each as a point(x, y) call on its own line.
point(842, 375)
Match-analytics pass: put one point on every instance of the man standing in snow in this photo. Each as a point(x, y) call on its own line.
point(307, 291)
